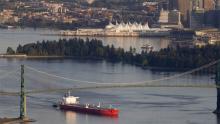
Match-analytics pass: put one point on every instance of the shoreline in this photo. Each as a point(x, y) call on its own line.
point(24, 56)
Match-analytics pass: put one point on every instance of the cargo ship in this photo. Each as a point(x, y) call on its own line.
point(71, 103)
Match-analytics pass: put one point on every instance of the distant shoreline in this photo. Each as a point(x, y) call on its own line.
point(46, 57)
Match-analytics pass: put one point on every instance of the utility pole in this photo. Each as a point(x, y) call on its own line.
point(22, 96)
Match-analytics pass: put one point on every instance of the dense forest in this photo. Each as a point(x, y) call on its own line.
point(94, 49)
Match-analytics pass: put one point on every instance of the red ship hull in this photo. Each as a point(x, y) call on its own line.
point(91, 110)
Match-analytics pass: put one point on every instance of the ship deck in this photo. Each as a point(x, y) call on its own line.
point(91, 106)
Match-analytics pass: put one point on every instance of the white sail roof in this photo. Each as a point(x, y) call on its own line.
point(128, 26)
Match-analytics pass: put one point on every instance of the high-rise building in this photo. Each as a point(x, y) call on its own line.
point(174, 17)
point(197, 18)
point(217, 13)
point(186, 7)
point(212, 17)
point(184, 4)
point(170, 19)
point(163, 16)
point(173, 4)
point(217, 5)
point(208, 5)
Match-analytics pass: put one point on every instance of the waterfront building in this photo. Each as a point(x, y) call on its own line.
point(197, 18)
point(170, 19)
point(217, 5)
point(121, 30)
point(127, 27)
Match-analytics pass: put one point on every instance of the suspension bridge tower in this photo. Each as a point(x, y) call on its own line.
point(23, 113)
point(217, 80)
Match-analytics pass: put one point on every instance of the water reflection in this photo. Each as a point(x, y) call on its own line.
point(73, 118)
point(70, 117)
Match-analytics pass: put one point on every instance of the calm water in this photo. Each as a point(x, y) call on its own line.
point(137, 105)
point(13, 37)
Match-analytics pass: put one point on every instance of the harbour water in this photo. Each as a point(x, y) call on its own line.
point(13, 37)
point(137, 105)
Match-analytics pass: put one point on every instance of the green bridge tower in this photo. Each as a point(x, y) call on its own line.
point(217, 81)
point(23, 113)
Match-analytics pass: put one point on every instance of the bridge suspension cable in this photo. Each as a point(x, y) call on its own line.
point(150, 83)
point(127, 83)
point(116, 86)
